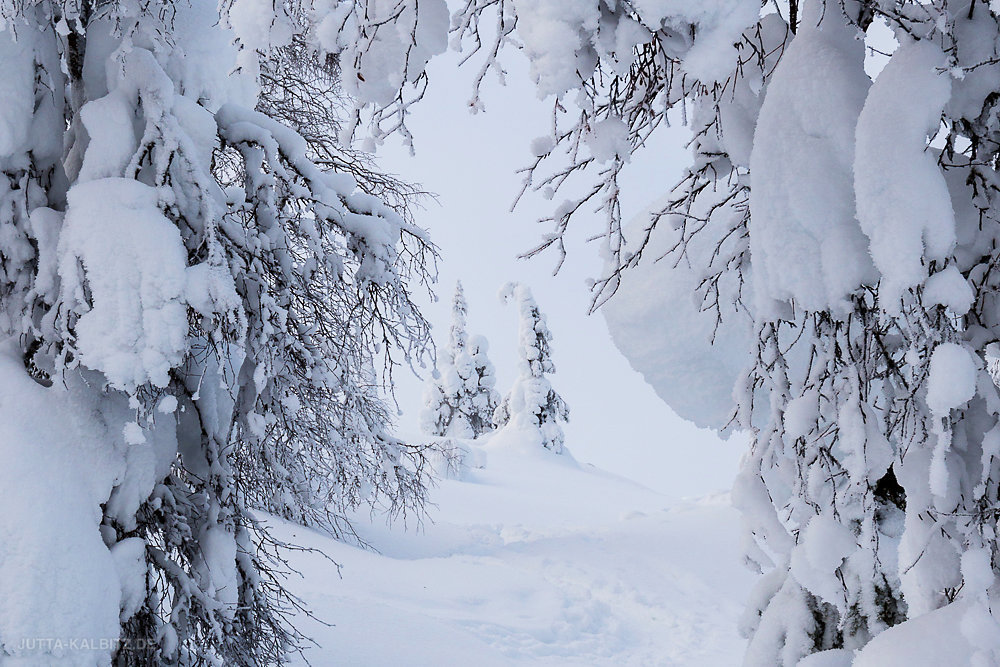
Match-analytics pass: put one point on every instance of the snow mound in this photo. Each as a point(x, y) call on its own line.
point(931, 639)
point(117, 247)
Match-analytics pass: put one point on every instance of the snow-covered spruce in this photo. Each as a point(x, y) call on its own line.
point(532, 403)
point(838, 225)
point(460, 402)
point(192, 295)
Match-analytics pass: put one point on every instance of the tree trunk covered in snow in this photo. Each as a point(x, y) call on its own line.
point(196, 281)
point(838, 226)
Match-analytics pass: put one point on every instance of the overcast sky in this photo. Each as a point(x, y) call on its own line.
point(469, 161)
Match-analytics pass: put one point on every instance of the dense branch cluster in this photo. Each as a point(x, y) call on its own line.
point(205, 283)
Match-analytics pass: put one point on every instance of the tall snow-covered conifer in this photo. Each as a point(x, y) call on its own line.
point(532, 403)
point(838, 227)
point(195, 282)
point(461, 401)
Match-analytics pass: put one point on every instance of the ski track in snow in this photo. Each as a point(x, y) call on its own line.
point(533, 560)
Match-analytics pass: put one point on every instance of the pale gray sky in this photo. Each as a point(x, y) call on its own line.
point(469, 161)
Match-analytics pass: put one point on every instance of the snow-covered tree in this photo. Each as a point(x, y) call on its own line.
point(195, 282)
point(461, 400)
point(838, 226)
point(532, 403)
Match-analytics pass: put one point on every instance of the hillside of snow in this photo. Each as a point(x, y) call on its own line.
point(534, 559)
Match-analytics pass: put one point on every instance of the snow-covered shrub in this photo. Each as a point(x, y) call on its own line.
point(532, 403)
point(839, 231)
point(202, 280)
point(460, 402)
point(454, 458)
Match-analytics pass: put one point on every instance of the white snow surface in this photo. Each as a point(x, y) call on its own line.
point(534, 559)
point(950, 289)
point(58, 463)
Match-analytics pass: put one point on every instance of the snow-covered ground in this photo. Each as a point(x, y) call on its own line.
point(534, 559)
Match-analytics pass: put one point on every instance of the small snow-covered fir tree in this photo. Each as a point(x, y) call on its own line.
point(532, 402)
point(461, 400)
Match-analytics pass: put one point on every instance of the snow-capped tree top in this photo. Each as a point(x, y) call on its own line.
point(458, 334)
point(533, 333)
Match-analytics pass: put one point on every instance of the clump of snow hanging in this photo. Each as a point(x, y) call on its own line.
point(219, 551)
point(383, 45)
point(904, 205)
point(738, 110)
point(618, 47)
point(823, 546)
point(827, 543)
point(801, 414)
point(133, 434)
point(934, 638)
point(951, 381)
point(209, 289)
point(806, 242)
point(17, 90)
point(213, 69)
point(608, 139)
point(867, 453)
point(717, 25)
point(130, 563)
point(656, 320)
point(542, 145)
point(167, 405)
point(950, 289)
point(260, 25)
point(117, 247)
point(977, 570)
point(556, 38)
point(534, 560)
point(109, 125)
